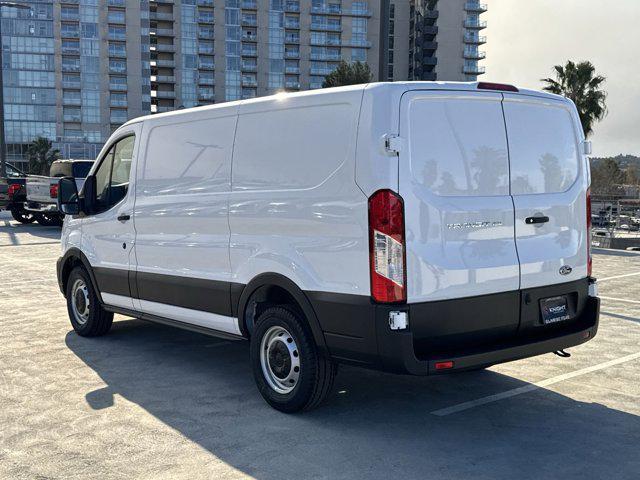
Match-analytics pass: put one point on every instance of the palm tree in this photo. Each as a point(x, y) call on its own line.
point(348, 74)
point(579, 82)
point(41, 156)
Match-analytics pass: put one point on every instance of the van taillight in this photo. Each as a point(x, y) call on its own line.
point(387, 247)
point(53, 191)
point(589, 258)
point(13, 189)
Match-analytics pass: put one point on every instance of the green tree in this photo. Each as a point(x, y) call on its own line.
point(348, 74)
point(606, 177)
point(579, 82)
point(41, 155)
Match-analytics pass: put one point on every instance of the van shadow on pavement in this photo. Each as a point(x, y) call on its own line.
point(10, 229)
point(374, 425)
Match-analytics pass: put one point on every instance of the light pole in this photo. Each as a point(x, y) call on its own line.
point(3, 148)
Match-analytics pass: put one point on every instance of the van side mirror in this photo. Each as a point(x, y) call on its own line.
point(68, 202)
point(587, 147)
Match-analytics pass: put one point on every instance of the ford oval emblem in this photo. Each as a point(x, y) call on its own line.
point(565, 270)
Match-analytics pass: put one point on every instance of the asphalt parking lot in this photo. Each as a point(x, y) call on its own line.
point(148, 401)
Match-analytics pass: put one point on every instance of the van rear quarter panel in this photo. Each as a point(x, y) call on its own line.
point(295, 208)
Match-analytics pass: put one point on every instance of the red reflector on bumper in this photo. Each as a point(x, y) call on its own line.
point(444, 365)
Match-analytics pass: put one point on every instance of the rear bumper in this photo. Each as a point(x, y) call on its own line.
point(400, 356)
point(39, 207)
point(357, 331)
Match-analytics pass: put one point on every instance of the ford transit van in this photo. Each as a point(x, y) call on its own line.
point(420, 228)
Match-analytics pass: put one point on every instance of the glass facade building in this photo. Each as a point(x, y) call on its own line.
point(74, 70)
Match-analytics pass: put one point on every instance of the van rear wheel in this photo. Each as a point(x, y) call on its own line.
point(88, 317)
point(289, 371)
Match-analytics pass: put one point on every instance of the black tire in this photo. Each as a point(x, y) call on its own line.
point(98, 321)
point(316, 372)
point(22, 216)
point(49, 220)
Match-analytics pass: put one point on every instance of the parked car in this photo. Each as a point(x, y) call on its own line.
point(406, 227)
point(42, 192)
point(13, 193)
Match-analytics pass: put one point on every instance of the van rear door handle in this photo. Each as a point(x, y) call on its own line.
point(534, 220)
point(124, 217)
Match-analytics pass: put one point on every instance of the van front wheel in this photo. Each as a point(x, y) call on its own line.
point(289, 371)
point(88, 317)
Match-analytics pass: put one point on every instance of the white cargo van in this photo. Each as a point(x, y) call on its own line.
point(418, 228)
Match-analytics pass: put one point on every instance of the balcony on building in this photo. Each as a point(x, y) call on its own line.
point(162, 32)
point(164, 47)
point(116, 16)
point(249, 20)
point(476, 7)
point(249, 81)
point(70, 31)
point(357, 12)
point(206, 78)
point(167, 63)
point(164, 79)
point(165, 94)
point(474, 54)
point(291, 52)
point(248, 66)
point(249, 5)
point(328, 9)
point(326, 27)
point(430, 45)
point(166, 16)
point(474, 24)
point(292, 22)
point(206, 33)
point(292, 38)
point(473, 69)
point(249, 35)
point(474, 39)
point(249, 50)
point(430, 30)
point(292, 6)
point(205, 3)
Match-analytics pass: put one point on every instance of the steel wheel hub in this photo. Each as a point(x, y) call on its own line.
point(280, 359)
point(80, 301)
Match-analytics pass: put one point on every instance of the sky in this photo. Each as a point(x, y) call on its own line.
point(526, 38)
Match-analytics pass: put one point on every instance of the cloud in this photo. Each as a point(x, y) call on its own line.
point(527, 37)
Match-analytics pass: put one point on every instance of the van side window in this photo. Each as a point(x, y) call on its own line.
point(102, 182)
point(112, 176)
point(119, 184)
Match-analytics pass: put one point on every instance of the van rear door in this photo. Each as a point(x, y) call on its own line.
point(548, 183)
point(459, 215)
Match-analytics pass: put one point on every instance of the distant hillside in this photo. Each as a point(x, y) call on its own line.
point(623, 161)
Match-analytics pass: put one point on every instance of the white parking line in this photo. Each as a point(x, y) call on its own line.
point(618, 276)
point(532, 386)
point(620, 299)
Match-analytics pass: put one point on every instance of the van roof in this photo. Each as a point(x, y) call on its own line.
point(391, 87)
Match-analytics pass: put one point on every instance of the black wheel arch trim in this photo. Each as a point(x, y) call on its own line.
point(240, 300)
point(70, 255)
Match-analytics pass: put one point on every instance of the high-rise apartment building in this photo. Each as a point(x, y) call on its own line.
point(219, 50)
point(74, 70)
point(442, 38)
